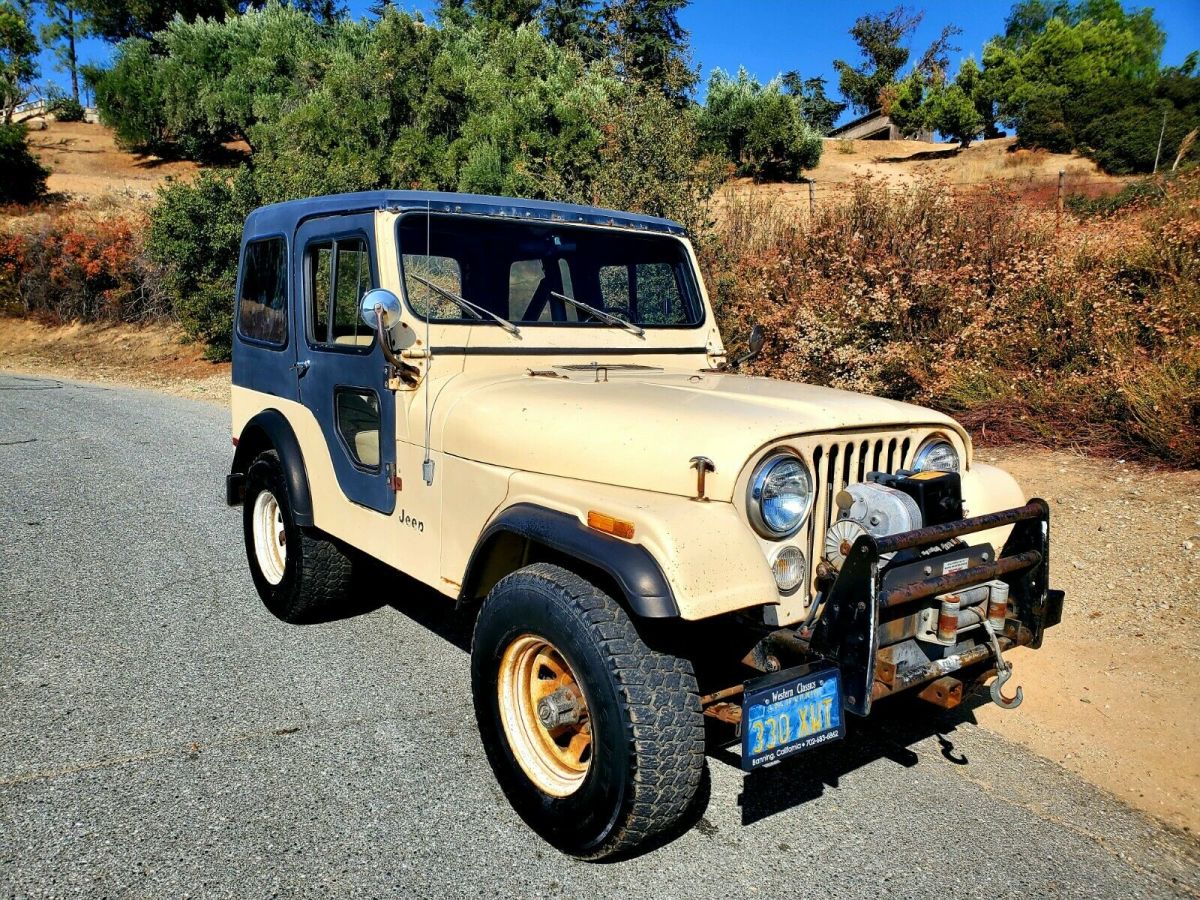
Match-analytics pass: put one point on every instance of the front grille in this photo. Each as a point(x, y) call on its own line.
point(839, 462)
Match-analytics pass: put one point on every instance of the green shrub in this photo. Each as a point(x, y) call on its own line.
point(757, 127)
point(22, 177)
point(195, 234)
point(67, 109)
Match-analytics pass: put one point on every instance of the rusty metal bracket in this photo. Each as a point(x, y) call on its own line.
point(703, 465)
point(846, 630)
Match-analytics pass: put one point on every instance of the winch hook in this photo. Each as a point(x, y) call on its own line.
point(1003, 674)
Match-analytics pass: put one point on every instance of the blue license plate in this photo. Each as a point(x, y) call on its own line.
point(790, 711)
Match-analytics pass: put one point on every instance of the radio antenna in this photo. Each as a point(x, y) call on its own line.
point(427, 463)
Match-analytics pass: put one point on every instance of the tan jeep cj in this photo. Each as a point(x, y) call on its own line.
point(528, 407)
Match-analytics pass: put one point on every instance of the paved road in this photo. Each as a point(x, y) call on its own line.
point(162, 735)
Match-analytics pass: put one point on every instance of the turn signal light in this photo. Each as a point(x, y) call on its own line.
point(618, 527)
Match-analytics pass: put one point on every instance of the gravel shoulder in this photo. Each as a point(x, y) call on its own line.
point(1112, 695)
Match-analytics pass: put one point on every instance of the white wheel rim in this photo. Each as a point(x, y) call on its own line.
point(270, 538)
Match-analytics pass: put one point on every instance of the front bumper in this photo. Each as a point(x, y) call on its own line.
point(861, 621)
point(847, 627)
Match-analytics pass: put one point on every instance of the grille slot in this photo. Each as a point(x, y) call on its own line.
point(837, 463)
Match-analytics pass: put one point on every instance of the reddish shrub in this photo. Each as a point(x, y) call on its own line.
point(1089, 336)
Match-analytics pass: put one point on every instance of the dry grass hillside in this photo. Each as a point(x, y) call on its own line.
point(1031, 173)
point(85, 163)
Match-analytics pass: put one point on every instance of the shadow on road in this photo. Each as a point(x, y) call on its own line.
point(891, 731)
point(889, 734)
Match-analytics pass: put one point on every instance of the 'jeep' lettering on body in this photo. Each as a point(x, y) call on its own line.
point(415, 524)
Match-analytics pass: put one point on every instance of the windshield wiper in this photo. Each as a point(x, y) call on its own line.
point(473, 308)
point(600, 314)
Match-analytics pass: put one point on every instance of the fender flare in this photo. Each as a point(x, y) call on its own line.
point(634, 569)
point(268, 430)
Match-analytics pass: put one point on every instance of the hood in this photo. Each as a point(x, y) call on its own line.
point(640, 430)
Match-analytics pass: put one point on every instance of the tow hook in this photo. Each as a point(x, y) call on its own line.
point(1003, 674)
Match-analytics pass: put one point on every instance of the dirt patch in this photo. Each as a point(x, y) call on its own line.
point(152, 356)
point(1111, 696)
point(85, 163)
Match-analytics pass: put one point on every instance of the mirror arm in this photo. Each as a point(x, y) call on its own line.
point(410, 375)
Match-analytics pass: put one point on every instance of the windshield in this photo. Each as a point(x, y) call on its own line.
point(528, 273)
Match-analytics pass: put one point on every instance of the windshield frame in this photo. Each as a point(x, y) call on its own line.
point(691, 276)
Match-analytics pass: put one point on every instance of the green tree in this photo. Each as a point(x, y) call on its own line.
point(922, 102)
point(1084, 76)
point(816, 107)
point(18, 58)
point(325, 12)
point(575, 24)
point(129, 96)
point(759, 128)
point(649, 45)
point(63, 29)
point(115, 20)
point(880, 41)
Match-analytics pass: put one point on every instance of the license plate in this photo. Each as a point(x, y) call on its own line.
point(790, 711)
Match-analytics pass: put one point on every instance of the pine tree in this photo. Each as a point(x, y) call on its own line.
point(380, 8)
point(575, 24)
point(63, 28)
point(649, 45)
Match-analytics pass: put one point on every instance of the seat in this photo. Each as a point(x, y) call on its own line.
point(366, 446)
point(354, 340)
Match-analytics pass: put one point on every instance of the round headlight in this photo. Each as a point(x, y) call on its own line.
point(789, 569)
point(937, 455)
point(780, 496)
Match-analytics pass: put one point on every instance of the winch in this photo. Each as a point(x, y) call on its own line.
point(896, 504)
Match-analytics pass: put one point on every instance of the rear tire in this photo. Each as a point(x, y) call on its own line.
point(641, 710)
point(300, 577)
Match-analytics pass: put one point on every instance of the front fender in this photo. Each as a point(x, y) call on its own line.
point(706, 554)
point(988, 489)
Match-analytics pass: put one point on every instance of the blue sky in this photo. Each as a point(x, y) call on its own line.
point(773, 36)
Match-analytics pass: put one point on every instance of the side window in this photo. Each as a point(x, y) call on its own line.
point(644, 292)
point(263, 304)
point(357, 413)
point(445, 272)
point(339, 274)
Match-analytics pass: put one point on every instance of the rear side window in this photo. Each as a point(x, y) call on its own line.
point(263, 304)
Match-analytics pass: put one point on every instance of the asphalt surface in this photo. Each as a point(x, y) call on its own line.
point(161, 735)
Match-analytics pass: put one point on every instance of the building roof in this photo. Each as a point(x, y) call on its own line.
point(284, 217)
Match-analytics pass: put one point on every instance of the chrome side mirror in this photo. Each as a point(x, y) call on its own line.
point(757, 339)
point(388, 305)
point(755, 344)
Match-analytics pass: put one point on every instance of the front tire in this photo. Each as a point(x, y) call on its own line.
point(299, 576)
point(596, 739)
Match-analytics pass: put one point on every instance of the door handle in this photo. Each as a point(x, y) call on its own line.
point(301, 368)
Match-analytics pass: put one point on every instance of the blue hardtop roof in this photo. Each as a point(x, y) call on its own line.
point(284, 217)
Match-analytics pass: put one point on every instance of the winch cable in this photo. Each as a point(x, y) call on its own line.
point(1003, 667)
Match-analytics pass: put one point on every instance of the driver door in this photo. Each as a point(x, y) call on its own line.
point(340, 367)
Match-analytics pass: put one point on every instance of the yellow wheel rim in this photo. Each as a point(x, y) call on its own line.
point(545, 715)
